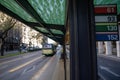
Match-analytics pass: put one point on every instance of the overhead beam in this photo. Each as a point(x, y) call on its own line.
point(27, 7)
point(57, 35)
point(51, 26)
point(57, 27)
point(59, 40)
point(10, 13)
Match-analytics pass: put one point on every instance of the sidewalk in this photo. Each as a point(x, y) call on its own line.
point(11, 52)
point(59, 71)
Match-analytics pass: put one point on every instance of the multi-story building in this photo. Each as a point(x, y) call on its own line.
point(31, 37)
point(24, 36)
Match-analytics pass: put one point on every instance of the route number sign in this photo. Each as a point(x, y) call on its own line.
point(106, 23)
point(106, 9)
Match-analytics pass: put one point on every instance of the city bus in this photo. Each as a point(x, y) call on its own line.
point(48, 50)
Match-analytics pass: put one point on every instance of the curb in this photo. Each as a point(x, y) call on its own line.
point(115, 58)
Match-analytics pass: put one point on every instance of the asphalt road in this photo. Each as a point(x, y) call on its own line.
point(109, 67)
point(30, 66)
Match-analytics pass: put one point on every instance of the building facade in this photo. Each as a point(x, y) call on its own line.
point(31, 38)
point(19, 35)
point(22, 36)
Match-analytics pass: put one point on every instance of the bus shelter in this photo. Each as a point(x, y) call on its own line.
point(53, 18)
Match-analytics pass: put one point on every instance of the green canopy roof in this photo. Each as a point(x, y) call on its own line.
point(46, 16)
point(15, 8)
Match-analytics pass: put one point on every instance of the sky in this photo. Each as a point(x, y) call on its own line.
point(50, 41)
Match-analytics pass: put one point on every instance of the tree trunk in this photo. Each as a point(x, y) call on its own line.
point(2, 47)
point(2, 50)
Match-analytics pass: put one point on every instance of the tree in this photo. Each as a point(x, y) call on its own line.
point(45, 40)
point(6, 23)
point(35, 38)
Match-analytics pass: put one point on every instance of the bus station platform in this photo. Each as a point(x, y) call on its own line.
point(59, 73)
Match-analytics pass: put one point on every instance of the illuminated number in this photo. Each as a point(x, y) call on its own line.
point(111, 19)
point(112, 28)
point(110, 10)
point(113, 37)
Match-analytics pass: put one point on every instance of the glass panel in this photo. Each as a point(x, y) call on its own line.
point(15, 8)
point(51, 11)
point(54, 31)
point(58, 37)
point(42, 29)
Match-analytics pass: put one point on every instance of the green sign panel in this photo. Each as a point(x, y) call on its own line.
point(106, 27)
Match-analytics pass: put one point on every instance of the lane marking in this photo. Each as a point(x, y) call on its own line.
point(25, 64)
point(3, 74)
point(27, 56)
point(10, 61)
point(3, 67)
point(29, 69)
point(101, 76)
point(39, 73)
point(108, 70)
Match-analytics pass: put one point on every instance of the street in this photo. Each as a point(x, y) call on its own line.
point(29, 66)
point(108, 67)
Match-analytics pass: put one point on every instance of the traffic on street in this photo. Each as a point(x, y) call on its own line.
point(29, 66)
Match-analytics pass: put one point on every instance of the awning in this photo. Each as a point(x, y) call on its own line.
point(45, 16)
point(49, 17)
